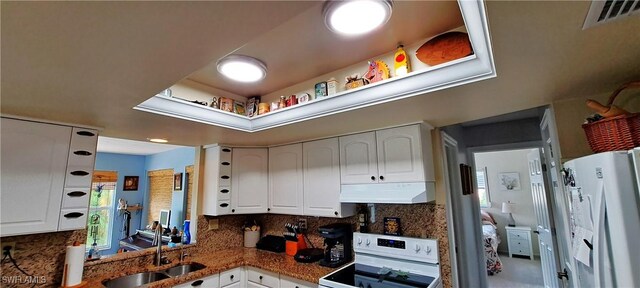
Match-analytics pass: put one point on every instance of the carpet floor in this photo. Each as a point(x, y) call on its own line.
point(517, 272)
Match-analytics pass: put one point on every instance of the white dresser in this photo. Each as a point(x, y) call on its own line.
point(519, 241)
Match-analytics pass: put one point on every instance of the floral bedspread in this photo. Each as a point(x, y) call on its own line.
point(491, 241)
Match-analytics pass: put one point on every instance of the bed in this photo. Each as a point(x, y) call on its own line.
point(490, 239)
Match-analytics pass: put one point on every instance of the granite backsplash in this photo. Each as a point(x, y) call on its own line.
point(43, 254)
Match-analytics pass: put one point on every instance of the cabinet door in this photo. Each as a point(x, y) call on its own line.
point(358, 159)
point(290, 282)
point(285, 179)
point(34, 161)
point(262, 277)
point(250, 180)
point(400, 154)
point(321, 178)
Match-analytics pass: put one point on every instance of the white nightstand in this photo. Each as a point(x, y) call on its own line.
point(519, 241)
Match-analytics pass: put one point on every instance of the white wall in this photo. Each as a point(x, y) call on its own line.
point(509, 161)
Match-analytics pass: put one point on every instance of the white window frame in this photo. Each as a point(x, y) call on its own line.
point(484, 173)
point(110, 213)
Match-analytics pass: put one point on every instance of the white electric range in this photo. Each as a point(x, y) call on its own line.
point(388, 261)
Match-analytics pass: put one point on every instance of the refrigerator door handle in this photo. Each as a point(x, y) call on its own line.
point(598, 238)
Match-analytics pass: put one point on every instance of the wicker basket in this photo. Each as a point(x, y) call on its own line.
point(615, 133)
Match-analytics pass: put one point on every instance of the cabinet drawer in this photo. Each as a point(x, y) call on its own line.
point(224, 193)
point(73, 219)
point(288, 282)
point(78, 176)
point(519, 235)
point(262, 277)
point(234, 285)
point(76, 198)
point(251, 284)
point(521, 251)
point(206, 282)
point(519, 245)
point(230, 276)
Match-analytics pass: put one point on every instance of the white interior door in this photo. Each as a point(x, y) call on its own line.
point(544, 227)
point(557, 196)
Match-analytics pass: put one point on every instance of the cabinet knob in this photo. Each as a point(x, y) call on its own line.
point(226, 150)
point(225, 163)
point(335, 213)
point(381, 177)
point(82, 153)
point(224, 205)
point(233, 210)
point(225, 177)
point(260, 278)
point(76, 194)
point(231, 277)
point(268, 209)
point(373, 178)
point(73, 215)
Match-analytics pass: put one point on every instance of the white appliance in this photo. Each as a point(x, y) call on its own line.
point(605, 218)
point(388, 261)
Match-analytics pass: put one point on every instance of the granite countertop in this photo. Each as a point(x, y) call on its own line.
point(228, 259)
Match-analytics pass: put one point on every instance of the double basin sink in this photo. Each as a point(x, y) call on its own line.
point(143, 278)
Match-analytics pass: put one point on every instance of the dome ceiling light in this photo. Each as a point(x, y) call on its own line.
point(242, 68)
point(356, 17)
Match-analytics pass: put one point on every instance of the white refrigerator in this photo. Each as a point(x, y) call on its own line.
point(605, 218)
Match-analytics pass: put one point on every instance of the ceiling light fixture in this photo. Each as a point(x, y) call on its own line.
point(158, 140)
point(356, 17)
point(242, 68)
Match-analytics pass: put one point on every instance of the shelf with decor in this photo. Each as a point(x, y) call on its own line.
point(472, 68)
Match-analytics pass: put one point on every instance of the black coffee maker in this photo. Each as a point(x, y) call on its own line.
point(338, 239)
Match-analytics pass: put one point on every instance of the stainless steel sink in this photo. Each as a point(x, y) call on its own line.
point(184, 269)
point(135, 280)
point(144, 278)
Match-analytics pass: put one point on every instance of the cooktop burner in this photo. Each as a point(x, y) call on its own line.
point(358, 275)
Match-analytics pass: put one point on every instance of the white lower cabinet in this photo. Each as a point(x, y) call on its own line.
point(231, 278)
point(288, 282)
point(212, 281)
point(261, 278)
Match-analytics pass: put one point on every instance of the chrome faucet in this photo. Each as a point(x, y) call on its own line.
point(157, 240)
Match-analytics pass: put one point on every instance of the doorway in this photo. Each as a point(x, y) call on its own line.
point(508, 217)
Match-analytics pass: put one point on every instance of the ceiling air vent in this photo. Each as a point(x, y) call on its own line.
point(607, 11)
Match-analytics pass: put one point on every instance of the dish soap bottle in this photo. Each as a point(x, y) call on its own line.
point(401, 62)
point(186, 233)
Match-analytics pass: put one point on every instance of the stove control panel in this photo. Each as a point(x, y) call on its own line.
point(417, 249)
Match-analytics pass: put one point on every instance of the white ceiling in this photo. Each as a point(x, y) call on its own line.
point(90, 62)
point(132, 147)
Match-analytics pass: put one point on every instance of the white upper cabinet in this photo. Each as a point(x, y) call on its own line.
point(321, 165)
point(216, 198)
point(250, 180)
point(46, 176)
point(358, 158)
point(285, 179)
point(400, 155)
point(387, 156)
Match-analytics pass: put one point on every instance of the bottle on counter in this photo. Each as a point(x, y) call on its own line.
point(186, 234)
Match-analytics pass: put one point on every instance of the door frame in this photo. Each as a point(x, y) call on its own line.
point(448, 142)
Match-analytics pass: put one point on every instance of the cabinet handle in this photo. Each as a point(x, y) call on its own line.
point(79, 173)
point(373, 178)
point(82, 153)
point(73, 215)
point(226, 150)
point(223, 205)
point(225, 163)
point(197, 283)
point(225, 191)
point(85, 133)
point(268, 209)
point(76, 194)
point(233, 210)
point(536, 231)
point(224, 177)
point(335, 213)
point(381, 177)
point(231, 277)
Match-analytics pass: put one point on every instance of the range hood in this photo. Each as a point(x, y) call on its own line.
point(392, 193)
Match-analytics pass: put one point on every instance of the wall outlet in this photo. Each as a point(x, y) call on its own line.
point(302, 224)
point(213, 224)
point(12, 248)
